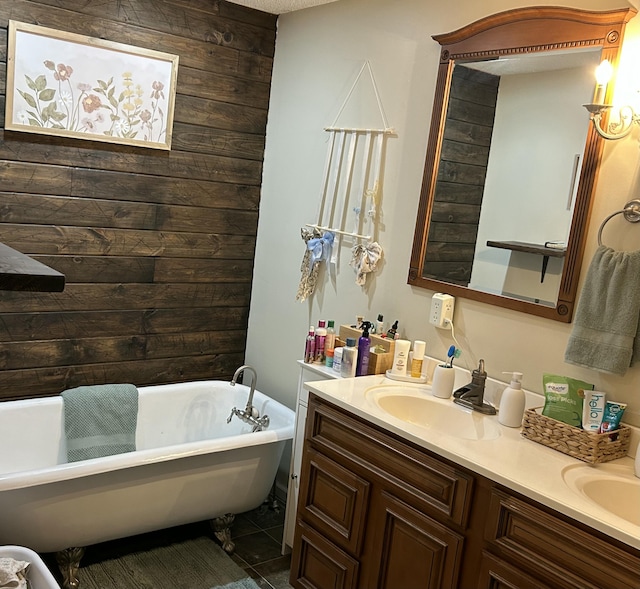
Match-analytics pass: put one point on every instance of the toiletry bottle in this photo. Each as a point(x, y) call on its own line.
point(321, 336)
point(391, 334)
point(328, 355)
point(330, 340)
point(337, 359)
point(418, 356)
point(364, 344)
point(310, 347)
point(400, 357)
point(349, 358)
point(380, 325)
point(512, 402)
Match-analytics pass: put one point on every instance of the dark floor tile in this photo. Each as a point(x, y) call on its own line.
point(265, 517)
point(276, 571)
point(258, 547)
point(242, 526)
point(276, 533)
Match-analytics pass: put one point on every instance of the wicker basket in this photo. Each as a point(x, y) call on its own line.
point(576, 442)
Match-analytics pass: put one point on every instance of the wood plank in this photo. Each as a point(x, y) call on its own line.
point(445, 212)
point(220, 115)
point(105, 268)
point(131, 269)
point(131, 296)
point(449, 252)
point(41, 239)
point(462, 173)
point(452, 232)
point(135, 17)
point(66, 181)
point(465, 153)
point(465, 193)
point(40, 382)
point(63, 352)
point(83, 324)
point(19, 272)
point(217, 142)
point(58, 210)
point(43, 149)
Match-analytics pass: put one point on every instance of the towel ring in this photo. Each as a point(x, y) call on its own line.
point(631, 213)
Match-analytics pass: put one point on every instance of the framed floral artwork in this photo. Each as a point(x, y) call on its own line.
point(69, 85)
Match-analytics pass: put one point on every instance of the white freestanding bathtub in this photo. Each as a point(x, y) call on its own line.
point(189, 465)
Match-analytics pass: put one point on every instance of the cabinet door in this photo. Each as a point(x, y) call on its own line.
point(409, 550)
point(294, 475)
point(319, 564)
point(334, 501)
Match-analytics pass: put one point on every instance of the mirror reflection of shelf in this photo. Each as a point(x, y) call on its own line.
point(546, 251)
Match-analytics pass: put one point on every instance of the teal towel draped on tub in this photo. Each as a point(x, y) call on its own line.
point(100, 420)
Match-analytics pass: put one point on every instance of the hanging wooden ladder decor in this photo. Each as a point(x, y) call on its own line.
point(349, 197)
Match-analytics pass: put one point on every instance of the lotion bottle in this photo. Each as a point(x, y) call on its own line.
point(512, 402)
point(364, 343)
point(349, 358)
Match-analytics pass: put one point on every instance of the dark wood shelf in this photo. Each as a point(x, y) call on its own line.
point(531, 248)
point(19, 272)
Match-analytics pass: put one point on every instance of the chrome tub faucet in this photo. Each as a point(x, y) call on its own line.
point(250, 414)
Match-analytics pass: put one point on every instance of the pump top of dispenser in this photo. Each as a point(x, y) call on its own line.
point(366, 326)
point(516, 379)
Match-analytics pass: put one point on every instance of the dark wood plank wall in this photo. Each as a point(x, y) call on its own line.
point(461, 175)
point(157, 247)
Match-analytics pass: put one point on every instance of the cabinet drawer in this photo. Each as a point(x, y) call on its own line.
point(318, 564)
point(552, 548)
point(497, 574)
point(432, 484)
point(334, 501)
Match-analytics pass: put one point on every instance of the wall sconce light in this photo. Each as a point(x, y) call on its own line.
point(621, 124)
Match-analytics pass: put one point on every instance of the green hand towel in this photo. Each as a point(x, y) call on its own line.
point(606, 334)
point(100, 420)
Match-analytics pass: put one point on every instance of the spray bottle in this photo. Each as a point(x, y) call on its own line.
point(364, 343)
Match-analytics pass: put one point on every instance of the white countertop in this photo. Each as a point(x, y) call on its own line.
point(522, 465)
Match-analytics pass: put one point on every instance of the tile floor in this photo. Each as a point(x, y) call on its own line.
point(258, 538)
point(257, 535)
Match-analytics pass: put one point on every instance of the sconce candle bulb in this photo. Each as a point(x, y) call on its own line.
point(620, 124)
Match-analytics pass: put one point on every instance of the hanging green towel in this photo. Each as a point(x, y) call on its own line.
point(606, 335)
point(100, 420)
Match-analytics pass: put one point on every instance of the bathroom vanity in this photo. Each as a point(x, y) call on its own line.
point(386, 502)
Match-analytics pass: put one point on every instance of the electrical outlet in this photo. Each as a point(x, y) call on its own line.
point(441, 310)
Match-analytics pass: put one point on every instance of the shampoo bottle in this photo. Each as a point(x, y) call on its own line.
point(310, 346)
point(349, 358)
point(364, 343)
point(418, 357)
point(321, 336)
point(512, 402)
point(330, 340)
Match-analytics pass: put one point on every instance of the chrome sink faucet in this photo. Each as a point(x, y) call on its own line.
point(250, 414)
point(472, 395)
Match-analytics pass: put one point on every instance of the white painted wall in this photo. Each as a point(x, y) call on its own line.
point(528, 183)
point(319, 51)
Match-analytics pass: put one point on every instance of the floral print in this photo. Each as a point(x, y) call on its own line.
point(104, 107)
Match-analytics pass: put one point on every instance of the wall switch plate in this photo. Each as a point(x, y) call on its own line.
point(441, 314)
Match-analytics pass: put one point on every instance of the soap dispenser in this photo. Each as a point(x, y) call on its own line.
point(512, 402)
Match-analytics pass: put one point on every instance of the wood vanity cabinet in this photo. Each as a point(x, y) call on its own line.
point(378, 512)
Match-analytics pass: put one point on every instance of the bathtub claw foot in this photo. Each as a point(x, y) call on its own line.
point(221, 527)
point(69, 562)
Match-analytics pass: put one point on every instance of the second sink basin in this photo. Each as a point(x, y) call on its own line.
point(417, 407)
point(609, 486)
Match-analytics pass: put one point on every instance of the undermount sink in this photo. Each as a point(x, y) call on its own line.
point(418, 407)
point(610, 486)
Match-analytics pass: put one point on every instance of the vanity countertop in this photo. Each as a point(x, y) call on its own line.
point(522, 465)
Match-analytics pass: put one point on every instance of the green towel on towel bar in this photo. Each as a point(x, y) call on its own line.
point(606, 332)
point(100, 420)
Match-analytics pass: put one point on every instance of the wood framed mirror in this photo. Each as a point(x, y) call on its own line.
point(507, 87)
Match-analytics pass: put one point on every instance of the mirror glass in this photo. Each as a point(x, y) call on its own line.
point(511, 163)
